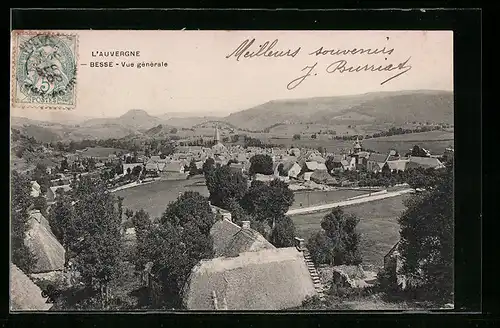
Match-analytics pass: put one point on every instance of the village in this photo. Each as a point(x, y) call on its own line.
point(244, 256)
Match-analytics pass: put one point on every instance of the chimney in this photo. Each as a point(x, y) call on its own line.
point(299, 244)
point(245, 224)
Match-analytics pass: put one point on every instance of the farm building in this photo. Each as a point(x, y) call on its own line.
point(269, 279)
point(49, 253)
point(397, 165)
point(375, 162)
point(35, 189)
point(424, 162)
point(24, 294)
point(52, 192)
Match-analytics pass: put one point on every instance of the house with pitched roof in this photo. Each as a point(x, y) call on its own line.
point(424, 162)
point(48, 251)
point(24, 294)
point(35, 189)
point(52, 192)
point(396, 165)
point(375, 162)
point(268, 279)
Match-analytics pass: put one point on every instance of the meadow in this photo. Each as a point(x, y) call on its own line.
point(318, 197)
point(378, 226)
point(154, 197)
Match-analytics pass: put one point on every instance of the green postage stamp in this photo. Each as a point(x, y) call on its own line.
point(44, 67)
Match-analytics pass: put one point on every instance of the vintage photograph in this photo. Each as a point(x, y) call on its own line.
point(231, 170)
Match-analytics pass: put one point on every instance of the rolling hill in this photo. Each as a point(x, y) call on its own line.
point(135, 119)
point(384, 107)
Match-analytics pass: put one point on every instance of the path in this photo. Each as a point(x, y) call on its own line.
point(133, 184)
point(347, 202)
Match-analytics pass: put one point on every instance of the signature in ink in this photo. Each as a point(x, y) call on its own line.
point(342, 66)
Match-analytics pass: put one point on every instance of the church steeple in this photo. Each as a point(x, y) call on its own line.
point(357, 145)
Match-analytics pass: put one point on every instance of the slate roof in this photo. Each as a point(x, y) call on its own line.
point(311, 166)
point(321, 167)
point(222, 233)
point(24, 294)
point(399, 165)
point(174, 166)
point(320, 176)
point(425, 162)
point(378, 158)
point(270, 279)
point(246, 240)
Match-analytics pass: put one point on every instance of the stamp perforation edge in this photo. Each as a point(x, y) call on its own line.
point(14, 53)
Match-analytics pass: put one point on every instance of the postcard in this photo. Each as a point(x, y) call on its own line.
point(231, 170)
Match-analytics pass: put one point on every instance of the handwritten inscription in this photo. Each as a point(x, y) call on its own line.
point(247, 49)
point(250, 49)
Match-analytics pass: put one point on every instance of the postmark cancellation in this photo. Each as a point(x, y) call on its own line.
point(44, 69)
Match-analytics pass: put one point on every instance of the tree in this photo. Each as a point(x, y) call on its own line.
point(419, 177)
point(261, 163)
point(40, 203)
point(281, 170)
point(141, 222)
point(322, 150)
point(179, 243)
point(20, 203)
point(330, 163)
point(296, 137)
point(225, 184)
point(238, 213)
point(313, 136)
point(418, 152)
point(41, 176)
point(96, 232)
point(61, 218)
point(268, 202)
point(341, 229)
point(321, 248)
point(136, 171)
point(64, 165)
point(173, 130)
point(283, 233)
point(208, 166)
point(193, 169)
point(426, 244)
point(190, 207)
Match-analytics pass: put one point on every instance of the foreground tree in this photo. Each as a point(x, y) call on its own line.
point(61, 219)
point(261, 163)
point(96, 234)
point(283, 233)
point(341, 229)
point(178, 243)
point(268, 202)
point(41, 176)
point(193, 169)
point(208, 166)
point(190, 208)
point(321, 248)
point(426, 244)
point(20, 204)
point(225, 184)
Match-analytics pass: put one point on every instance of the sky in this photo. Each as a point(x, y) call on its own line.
point(200, 79)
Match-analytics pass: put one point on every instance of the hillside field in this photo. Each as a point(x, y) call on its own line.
point(378, 226)
point(435, 141)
